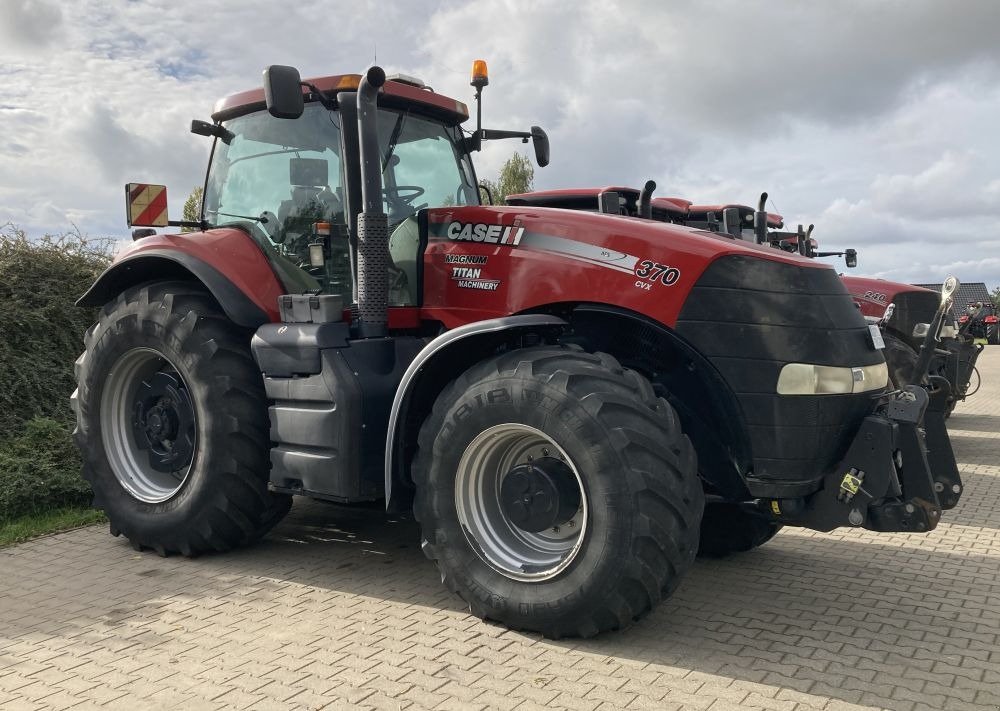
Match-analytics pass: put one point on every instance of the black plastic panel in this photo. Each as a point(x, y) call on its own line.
point(315, 429)
point(287, 349)
point(749, 317)
point(329, 407)
point(378, 364)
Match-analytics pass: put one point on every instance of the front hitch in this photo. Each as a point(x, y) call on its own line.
point(898, 474)
point(928, 349)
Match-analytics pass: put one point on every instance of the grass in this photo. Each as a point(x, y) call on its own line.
point(27, 527)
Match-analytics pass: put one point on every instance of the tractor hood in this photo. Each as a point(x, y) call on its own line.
point(520, 258)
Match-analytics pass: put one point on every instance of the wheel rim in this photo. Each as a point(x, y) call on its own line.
point(488, 519)
point(148, 425)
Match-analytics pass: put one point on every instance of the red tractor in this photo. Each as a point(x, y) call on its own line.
point(981, 322)
point(570, 404)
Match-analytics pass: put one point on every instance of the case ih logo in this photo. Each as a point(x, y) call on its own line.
point(491, 234)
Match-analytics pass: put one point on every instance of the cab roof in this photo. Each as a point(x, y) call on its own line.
point(394, 94)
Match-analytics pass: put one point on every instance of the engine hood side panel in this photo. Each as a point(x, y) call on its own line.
point(486, 262)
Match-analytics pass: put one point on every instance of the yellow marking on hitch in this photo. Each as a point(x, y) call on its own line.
point(851, 484)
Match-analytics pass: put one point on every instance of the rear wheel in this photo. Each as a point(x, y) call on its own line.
point(556, 492)
point(726, 529)
point(172, 423)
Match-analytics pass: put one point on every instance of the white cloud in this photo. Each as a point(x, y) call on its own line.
point(878, 125)
point(29, 25)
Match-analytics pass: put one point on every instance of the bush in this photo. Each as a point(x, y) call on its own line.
point(41, 334)
point(41, 331)
point(40, 471)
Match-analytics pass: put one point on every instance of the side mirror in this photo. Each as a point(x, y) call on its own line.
point(204, 128)
point(851, 257)
point(948, 289)
point(541, 142)
point(283, 92)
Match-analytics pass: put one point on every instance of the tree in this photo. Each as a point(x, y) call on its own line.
point(192, 208)
point(516, 176)
point(995, 296)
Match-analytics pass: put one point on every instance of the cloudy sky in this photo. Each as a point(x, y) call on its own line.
point(877, 121)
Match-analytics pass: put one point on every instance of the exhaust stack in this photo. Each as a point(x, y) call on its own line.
point(645, 200)
point(373, 223)
point(760, 220)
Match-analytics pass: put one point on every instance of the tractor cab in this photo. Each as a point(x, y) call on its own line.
point(295, 187)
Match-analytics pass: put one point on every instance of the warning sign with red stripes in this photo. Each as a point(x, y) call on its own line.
point(146, 205)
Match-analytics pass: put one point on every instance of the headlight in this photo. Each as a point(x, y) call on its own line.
point(808, 379)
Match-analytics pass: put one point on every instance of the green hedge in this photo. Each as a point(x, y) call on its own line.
point(40, 471)
point(41, 334)
point(41, 331)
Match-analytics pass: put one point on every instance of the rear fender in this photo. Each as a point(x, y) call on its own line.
point(440, 362)
point(158, 266)
point(227, 262)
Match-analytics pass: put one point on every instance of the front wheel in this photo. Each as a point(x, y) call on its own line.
point(556, 492)
point(172, 423)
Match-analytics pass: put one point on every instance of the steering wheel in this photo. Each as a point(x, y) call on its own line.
point(403, 193)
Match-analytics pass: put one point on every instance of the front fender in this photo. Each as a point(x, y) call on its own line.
point(439, 362)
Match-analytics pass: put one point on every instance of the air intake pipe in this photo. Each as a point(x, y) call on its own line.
point(373, 223)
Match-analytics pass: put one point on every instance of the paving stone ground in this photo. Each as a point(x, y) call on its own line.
point(339, 609)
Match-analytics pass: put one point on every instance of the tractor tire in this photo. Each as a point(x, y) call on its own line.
point(900, 358)
point(727, 529)
point(172, 423)
point(556, 492)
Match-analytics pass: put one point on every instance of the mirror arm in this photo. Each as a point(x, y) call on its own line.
point(472, 142)
point(328, 103)
point(490, 134)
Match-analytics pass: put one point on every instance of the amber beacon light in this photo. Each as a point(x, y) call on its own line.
point(480, 75)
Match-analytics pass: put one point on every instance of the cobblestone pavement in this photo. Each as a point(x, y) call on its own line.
point(340, 609)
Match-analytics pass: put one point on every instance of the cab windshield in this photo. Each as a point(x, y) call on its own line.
point(278, 178)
